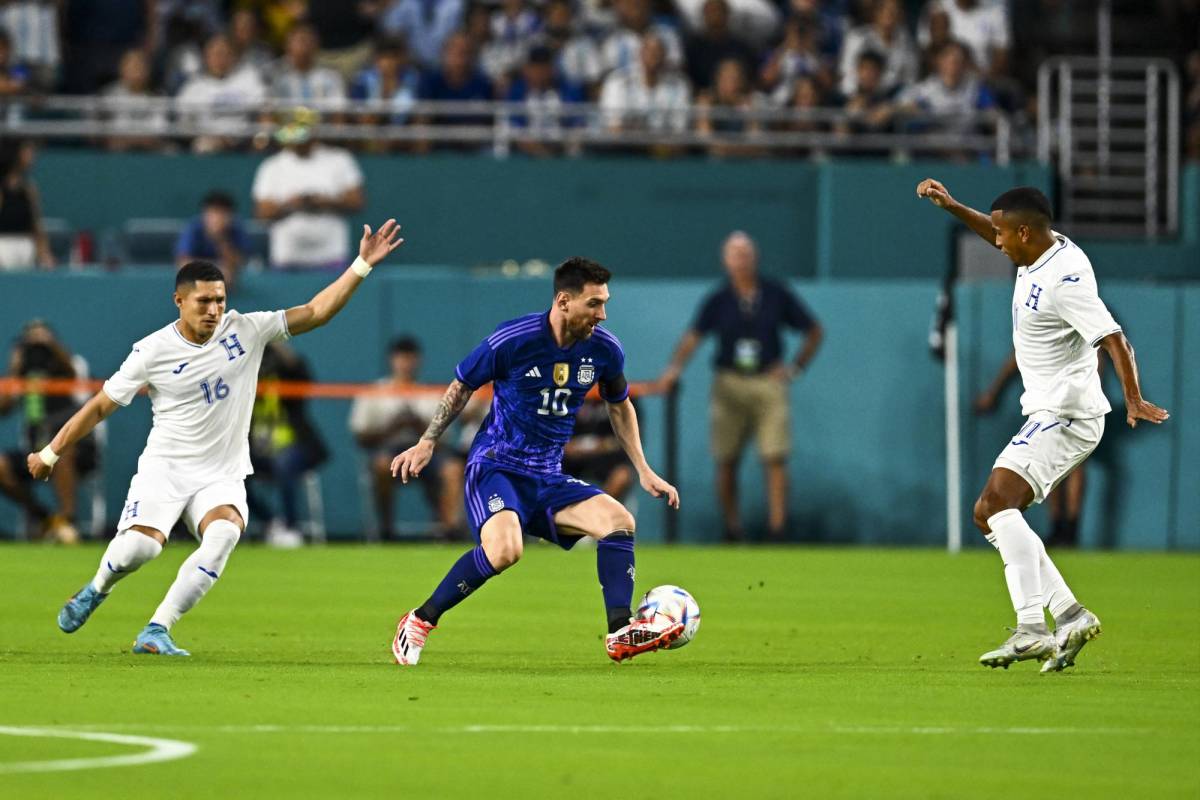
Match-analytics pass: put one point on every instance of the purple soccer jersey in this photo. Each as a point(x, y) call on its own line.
point(538, 388)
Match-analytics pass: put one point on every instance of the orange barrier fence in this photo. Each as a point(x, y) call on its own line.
point(305, 389)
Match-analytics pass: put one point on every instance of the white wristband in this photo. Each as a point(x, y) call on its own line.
point(361, 268)
point(48, 456)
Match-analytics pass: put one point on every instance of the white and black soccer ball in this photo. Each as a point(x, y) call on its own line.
point(674, 604)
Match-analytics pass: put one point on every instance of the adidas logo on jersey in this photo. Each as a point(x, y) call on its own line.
point(534, 373)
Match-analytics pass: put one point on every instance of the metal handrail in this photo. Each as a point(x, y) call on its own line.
point(498, 124)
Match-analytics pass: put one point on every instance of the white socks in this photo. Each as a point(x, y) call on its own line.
point(127, 551)
point(1056, 595)
point(1022, 552)
point(199, 572)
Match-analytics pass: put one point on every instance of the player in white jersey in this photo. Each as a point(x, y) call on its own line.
point(1058, 319)
point(202, 373)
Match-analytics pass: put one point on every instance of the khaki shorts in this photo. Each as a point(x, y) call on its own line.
point(750, 405)
point(1047, 449)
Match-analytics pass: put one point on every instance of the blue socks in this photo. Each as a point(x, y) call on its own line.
point(470, 572)
point(615, 566)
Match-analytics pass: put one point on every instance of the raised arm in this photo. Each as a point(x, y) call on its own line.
point(372, 249)
point(414, 459)
point(683, 353)
point(94, 411)
point(975, 220)
point(1121, 352)
point(625, 425)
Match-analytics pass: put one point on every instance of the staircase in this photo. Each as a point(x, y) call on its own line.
point(1111, 127)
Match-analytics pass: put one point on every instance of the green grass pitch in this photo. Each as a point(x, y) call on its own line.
point(816, 673)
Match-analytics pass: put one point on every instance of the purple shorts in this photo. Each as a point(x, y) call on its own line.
point(535, 498)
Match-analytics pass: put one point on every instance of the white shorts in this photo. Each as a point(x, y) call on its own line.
point(149, 503)
point(1047, 448)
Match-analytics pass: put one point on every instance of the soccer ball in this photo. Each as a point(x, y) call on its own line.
point(674, 604)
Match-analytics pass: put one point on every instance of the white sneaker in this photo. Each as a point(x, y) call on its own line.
point(1021, 646)
point(1070, 638)
point(410, 638)
point(284, 538)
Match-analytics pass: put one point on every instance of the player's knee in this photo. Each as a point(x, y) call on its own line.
point(621, 520)
point(217, 542)
point(502, 554)
point(989, 504)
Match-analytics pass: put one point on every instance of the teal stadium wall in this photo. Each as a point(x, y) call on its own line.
point(869, 459)
point(867, 255)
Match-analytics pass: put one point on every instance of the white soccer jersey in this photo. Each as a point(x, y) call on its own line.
point(201, 396)
point(1058, 318)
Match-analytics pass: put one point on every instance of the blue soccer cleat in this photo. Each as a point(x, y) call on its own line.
point(77, 610)
point(156, 640)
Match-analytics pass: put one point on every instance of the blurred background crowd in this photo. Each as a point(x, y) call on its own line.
point(701, 66)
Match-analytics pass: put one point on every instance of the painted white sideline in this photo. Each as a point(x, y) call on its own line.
point(159, 750)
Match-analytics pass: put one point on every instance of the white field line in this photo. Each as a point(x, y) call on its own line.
point(816, 730)
point(159, 750)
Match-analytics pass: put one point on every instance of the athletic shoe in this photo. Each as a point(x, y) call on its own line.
point(1069, 638)
point(77, 610)
point(641, 636)
point(411, 634)
point(156, 640)
point(1021, 646)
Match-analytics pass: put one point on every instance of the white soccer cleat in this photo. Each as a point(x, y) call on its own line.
point(411, 634)
point(1070, 638)
point(1021, 646)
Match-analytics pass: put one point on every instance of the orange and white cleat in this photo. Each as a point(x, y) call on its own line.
point(641, 636)
point(411, 634)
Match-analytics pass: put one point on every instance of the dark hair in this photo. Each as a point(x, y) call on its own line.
point(219, 199)
point(194, 271)
point(576, 272)
point(5, 39)
point(404, 344)
point(1025, 200)
point(874, 56)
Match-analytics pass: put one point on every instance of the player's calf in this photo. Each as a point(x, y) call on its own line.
point(128, 551)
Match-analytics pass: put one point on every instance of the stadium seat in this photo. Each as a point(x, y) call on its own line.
point(151, 240)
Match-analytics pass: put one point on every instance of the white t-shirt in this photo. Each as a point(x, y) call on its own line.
point(983, 29)
point(375, 413)
point(201, 396)
point(307, 239)
point(1058, 318)
point(219, 105)
point(629, 102)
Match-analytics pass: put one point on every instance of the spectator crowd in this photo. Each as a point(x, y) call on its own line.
point(651, 65)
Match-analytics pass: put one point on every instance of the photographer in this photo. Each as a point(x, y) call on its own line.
point(39, 355)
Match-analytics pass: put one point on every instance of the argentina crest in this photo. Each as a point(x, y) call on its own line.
point(587, 373)
point(561, 373)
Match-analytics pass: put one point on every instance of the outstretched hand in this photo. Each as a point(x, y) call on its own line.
point(374, 247)
point(935, 192)
point(657, 487)
point(410, 463)
point(1140, 409)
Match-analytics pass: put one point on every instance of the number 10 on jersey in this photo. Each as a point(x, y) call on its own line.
point(556, 403)
point(218, 391)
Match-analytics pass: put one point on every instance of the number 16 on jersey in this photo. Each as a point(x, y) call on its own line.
point(218, 391)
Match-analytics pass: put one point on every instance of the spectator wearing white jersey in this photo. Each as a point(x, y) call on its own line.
point(647, 95)
point(134, 103)
point(305, 192)
point(576, 56)
point(298, 79)
point(983, 27)
point(219, 99)
point(951, 96)
point(634, 20)
point(425, 24)
point(887, 36)
point(33, 28)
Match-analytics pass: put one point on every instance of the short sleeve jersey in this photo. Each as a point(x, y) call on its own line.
point(1058, 319)
point(748, 332)
point(538, 388)
point(201, 396)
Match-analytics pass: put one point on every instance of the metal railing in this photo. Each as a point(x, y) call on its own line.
point(1111, 126)
point(502, 126)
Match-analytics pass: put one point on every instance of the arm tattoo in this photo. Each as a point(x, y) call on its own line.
point(449, 407)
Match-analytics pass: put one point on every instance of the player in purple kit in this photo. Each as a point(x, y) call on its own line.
point(541, 367)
